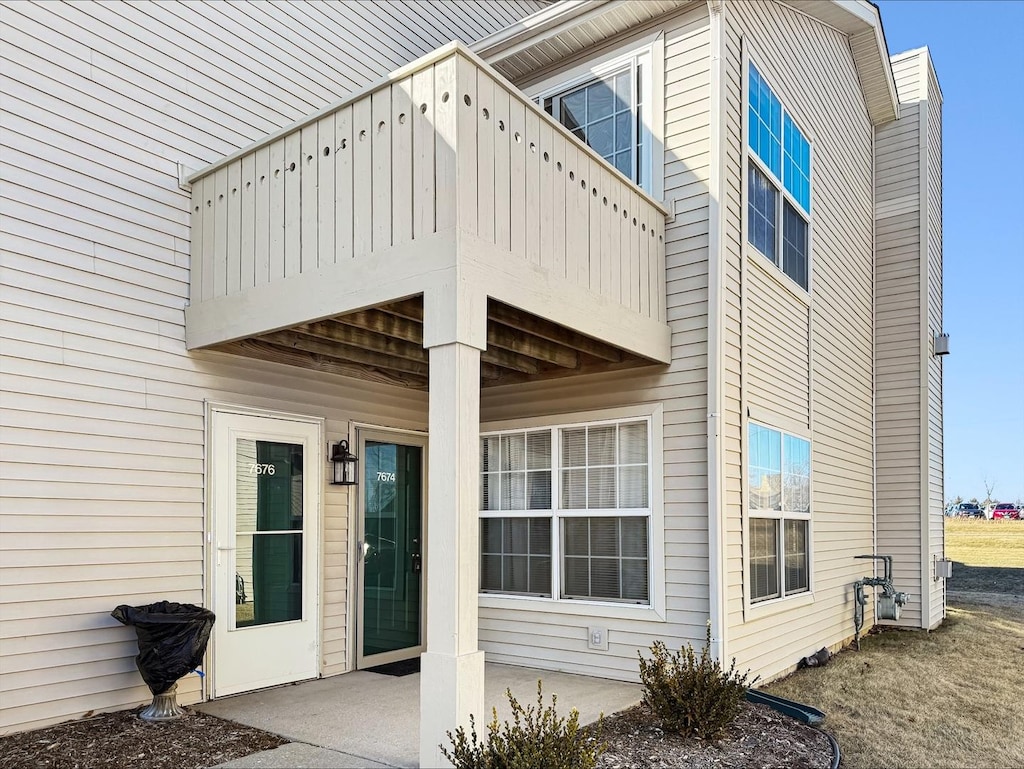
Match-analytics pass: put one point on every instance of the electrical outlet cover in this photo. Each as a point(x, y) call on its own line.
point(597, 638)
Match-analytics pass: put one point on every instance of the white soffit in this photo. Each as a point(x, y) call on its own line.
point(563, 29)
point(566, 28)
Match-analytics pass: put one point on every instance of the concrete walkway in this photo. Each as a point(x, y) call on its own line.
point(363, 719)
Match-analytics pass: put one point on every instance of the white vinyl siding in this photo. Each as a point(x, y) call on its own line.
point(102, 421)
point(827, 332)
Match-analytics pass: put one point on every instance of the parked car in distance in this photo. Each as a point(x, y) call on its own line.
point(1006, 510)
point(968, 510)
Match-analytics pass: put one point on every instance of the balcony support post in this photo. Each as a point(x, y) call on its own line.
point(452, 668)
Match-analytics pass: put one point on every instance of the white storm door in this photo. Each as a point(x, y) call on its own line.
point(266, 484)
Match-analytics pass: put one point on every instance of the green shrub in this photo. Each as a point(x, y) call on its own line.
point(692, 696)
point(536, 739)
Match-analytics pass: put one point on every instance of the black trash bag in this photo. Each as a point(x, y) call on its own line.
point(172, 639)
point(817, 660)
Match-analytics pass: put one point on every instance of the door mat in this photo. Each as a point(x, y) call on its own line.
point(402, 668)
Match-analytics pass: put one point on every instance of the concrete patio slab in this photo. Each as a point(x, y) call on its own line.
point(368, 717)
point(299, 754)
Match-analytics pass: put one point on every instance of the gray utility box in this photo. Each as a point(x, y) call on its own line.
point(890, 606)
point(943, 568)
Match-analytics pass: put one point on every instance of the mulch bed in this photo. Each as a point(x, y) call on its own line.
point(124, 741)
point(760, 737)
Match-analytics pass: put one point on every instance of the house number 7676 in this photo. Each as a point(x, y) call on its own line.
point(261, 469)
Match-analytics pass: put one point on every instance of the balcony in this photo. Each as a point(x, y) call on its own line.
point(323, 244)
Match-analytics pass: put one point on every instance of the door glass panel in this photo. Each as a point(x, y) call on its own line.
point(392, 547)
point(268, 532)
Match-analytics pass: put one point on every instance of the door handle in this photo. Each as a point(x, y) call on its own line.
point(223, 549)
point(364, 549)
point(417, 563)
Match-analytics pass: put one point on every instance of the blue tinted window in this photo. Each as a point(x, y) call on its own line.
point(762, 209)
point(796, 164)
point(764, 122)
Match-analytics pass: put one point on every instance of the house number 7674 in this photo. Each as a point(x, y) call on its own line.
point(386, 477)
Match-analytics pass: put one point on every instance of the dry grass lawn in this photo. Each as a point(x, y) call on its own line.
point(950, 698)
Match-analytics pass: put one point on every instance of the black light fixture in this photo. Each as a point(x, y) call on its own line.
point(344, 465)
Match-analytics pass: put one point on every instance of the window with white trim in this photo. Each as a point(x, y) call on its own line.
point(565, 512)
point(778, 182)
point(779, 490)
point(609, 110)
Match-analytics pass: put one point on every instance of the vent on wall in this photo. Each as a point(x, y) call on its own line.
point(941, 344)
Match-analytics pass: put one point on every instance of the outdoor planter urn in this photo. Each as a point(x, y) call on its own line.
point(172, 641)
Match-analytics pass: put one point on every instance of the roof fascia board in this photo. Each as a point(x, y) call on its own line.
point(883, 47)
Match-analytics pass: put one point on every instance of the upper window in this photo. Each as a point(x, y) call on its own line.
point(779, 169)
point(779, 489)
point(609, 109)
point(570, 523)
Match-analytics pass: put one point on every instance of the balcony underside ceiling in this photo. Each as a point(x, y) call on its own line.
point(384, 344)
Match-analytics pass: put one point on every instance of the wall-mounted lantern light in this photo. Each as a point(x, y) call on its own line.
point(942, 344)
point(344, 465)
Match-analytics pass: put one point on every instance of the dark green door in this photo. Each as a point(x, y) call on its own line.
point(392, 550)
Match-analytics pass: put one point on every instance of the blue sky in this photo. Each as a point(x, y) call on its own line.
point(979, 57)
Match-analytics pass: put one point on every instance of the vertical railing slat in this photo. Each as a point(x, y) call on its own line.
point(466, 109)
point(445, 117)
point(659, 244)
point(622, 225)
point(559, 220)
point(380, 181)
point(609, 268)
point(276, 179)
point(362, 168)
point(502, 169)
point(545, 182)
point(484, 114)
point(423, 149)
point(196, 254)
point(575, 224)
point(292, 175)
point(401, 162)
point(233, 215)
point(343, 191)
point(325, 148)
point(517, 175)
point(220, 211)
point(531, 151)
point(261, 236)
point(593, 181)
point(309, 196)
point(247, 219)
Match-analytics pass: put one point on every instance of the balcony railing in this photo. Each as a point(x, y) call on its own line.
point(445, 142)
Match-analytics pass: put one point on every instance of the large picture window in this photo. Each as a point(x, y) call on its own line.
point(779, 490)
point(566, 512)
point(779, 168)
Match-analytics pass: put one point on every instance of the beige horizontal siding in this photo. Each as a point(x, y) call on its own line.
point(102, 453)
point(908, 299)
point(548, 639)
point(811, 69)
point(934, 415)
point(776, 345)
